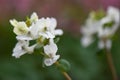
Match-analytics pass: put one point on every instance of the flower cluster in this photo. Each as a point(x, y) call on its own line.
point(42, 31)
point(103, 25)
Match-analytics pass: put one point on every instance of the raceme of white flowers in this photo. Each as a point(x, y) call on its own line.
point(42, 31)
point(103, 25)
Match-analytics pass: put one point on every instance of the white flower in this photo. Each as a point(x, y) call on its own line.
point(34, 28)
point(114, 13)
point(21, 48)
point(50, 50)
point(34, 17)
point(45, 27)
point(91, 26)
point(106, 44)
point(51, 24)
point(50, 61)
point(109, 25)
point(88, 30)
point(105, 28)
point(105, 32)
point(86, 40)
point(39, 30)
point(20, 28)
point(112, 17)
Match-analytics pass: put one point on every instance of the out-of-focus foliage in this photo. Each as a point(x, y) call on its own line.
point(86, 63)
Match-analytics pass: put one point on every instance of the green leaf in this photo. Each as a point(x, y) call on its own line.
point(63, 65)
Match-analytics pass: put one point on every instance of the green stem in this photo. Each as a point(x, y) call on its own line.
point(64, 73)
point(111, 64)
point(57, 63)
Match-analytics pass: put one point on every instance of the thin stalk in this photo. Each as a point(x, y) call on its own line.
point(57, 63)
point(64, 73)
point(111, 64)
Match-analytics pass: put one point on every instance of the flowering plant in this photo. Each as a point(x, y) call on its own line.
point(102, 25)
point(35, 33)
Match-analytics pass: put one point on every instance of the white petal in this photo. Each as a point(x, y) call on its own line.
point(108, 44)
point(89, 30)
point(18, 50)
point(105, 32)
point(21, 28)
point(31, 48)
point(50, 35)
point(114, 13)
point(86, 41)
point(13, 22)
point(17, 47)
point(58, 32)
point(22, 47)
point(51, 48)
point(101, 44)
point(18, 53)
point(55, 58)
point(46, 35)
point(34, 30)
point(23, 37)
point(106, 19)
point(38, 27)
point(50, 61)
point(51, 23)
point(34, 17)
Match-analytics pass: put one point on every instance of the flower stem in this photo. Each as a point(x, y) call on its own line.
point(63, 72)
point(57, 63)
point(111, 64)
point(67, 76)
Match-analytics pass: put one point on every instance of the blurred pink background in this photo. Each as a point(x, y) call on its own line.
point(69, 13)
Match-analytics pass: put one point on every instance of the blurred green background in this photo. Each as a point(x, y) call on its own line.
point(86, 63)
